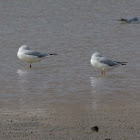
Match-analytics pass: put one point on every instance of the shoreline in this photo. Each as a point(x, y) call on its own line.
point(71, 123)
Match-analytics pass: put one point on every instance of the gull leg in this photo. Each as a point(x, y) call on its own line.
point(103, 73)
point(30, 65)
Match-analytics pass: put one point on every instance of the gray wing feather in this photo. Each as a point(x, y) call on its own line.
point(108, 62)
point(37, 54)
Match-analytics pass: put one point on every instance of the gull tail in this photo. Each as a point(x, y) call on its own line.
point(47, 54)
point(122, 63)
point(53, 54)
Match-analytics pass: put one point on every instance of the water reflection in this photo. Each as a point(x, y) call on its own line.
point(105, 90)
point(96, 82)
point(29, 80)
point(23, 72)
point(109, 92)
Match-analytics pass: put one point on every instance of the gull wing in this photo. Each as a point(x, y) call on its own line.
point(36, 54)
point(108, 62)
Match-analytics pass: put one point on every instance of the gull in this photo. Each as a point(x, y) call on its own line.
point(134, 20)
point(31, 56)
point(103, 64)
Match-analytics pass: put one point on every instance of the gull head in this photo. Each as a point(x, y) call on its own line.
point(96, 54)
point(94, 57)
point(122, 19)
point(23, 47)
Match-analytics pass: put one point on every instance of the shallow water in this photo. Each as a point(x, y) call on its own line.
point(74, 30)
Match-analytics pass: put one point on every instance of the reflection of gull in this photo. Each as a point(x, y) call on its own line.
point(96, 83)
point(30, 56)
point(134, 20)
point(103, 64)
point(22, 72)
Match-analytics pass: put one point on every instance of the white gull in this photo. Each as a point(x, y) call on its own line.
point(31, 56)
point(103, 64)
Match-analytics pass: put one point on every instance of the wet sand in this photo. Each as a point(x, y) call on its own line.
point(71, 122)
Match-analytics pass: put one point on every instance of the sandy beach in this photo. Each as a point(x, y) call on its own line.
point(71, 122)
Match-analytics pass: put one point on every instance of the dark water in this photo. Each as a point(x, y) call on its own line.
point(74, 30)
